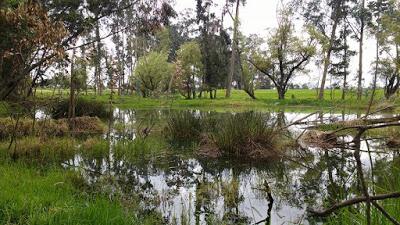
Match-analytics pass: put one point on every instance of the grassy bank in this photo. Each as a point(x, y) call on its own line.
point(305, 99)
point(52, 196)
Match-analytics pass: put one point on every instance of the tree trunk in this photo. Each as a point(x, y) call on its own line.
point(71, 109)
point(234, 52)
point(98, 60)
point(360, 60)
point(281, 93)
point(327, 59)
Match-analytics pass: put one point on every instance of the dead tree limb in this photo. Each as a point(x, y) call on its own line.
point(299, 120)
point(353, 201)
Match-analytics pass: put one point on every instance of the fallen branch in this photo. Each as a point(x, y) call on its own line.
point(299, 120)
point(326, 212)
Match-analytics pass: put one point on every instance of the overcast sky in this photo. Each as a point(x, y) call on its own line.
point(257, 16)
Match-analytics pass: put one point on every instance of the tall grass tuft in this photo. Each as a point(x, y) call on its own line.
point(183, 126)
point(247, 134)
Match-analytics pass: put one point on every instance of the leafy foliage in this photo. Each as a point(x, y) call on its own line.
point(152, 71)
point(189, 69)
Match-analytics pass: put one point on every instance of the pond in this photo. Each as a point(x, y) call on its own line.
point(188, 189)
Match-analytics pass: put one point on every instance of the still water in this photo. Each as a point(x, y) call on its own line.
point(186, 188)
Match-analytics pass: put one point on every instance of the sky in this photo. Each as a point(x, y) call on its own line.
point(258, 16)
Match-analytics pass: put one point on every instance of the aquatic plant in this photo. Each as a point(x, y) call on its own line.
point(95, 147)
point(140, 149)
point(183, 126)
point(83, 107)
point(248, 134)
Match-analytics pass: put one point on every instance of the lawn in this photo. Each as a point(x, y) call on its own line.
point(266, 99)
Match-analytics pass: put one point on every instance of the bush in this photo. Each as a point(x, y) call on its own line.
point(83, 108)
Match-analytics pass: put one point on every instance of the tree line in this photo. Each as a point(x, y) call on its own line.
point(155, 50)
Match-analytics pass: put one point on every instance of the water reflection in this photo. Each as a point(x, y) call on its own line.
point(190, 190)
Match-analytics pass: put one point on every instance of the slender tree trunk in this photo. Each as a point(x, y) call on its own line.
point(234, 52)
point(345, 68)
point(371, 100)
point(71, 109)
point(327, 59)
point(360, 60)
point(98, 59)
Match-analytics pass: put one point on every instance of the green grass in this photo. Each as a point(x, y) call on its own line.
point(32, 196)
point(240, 101)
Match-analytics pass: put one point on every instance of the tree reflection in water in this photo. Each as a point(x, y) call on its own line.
point(184, 187)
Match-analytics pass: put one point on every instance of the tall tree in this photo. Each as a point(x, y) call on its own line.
point(287, 54)
point(315, 14)
point(214, 44)
point(341, 53)
point(234, 54)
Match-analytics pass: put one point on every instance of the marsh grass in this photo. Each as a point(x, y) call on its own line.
point(40, 150)
point(95, 147)
point(247, 134)
point(183, 127)
point(140, 149)
point(32, 196)
point(24, 127)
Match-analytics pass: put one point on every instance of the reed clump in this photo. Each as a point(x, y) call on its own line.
point(250, 135)
point(183, 126)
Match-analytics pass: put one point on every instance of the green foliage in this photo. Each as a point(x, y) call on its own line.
point(190, 68)
point(153, 72)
